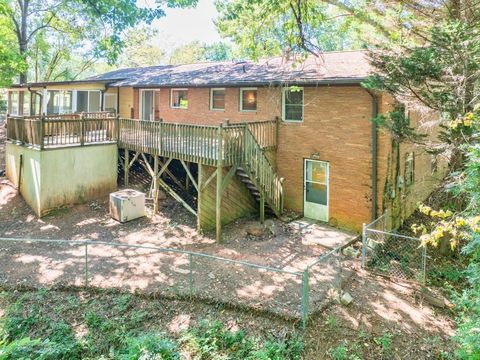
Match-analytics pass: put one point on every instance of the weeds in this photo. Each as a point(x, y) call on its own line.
point(35, 326)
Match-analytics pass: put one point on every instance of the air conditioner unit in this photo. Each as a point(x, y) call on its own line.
point(127, 204)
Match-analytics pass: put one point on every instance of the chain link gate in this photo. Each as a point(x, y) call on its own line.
point(394, 255)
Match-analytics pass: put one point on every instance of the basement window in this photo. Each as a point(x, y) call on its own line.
point(248, 99)
point(409, 169)
point(179, 98)
point(292, 101)
point(217, 99)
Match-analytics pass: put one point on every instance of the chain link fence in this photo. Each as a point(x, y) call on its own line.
point(37, 263)
point(394, 255)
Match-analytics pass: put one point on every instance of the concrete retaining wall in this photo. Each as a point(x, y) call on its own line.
point(63, 176)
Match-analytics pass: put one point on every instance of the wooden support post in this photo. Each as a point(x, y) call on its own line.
point(262, 207)
point(187, 178)
point(199, 197)
point(126, 168)
point(41, 130)
point(155, 184)
point(82, 130)
point(218, 203)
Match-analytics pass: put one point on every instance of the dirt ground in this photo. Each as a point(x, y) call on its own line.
point(290, 248)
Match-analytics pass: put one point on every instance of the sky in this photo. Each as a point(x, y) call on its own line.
point(181, 26)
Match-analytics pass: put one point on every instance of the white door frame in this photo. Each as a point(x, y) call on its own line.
point(327, 183)
point(140, 107)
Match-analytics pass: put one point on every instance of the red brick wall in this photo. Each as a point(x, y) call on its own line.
point(337, 127)
point(268, 106)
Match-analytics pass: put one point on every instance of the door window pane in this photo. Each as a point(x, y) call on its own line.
point(94, 101)
point(147, 105)
point(316, 193)
point(66, 106)
point(179, 99)
point(82, 101)
point(53, 102)
point(317, 172)
point(248, 100)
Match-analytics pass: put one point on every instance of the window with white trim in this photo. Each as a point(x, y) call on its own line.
point(217, 99)
point(292, 104)
point(88, 101)
point(179, 98)
point(59, 102)
point(248, 99)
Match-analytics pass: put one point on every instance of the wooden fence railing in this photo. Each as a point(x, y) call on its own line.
point(51, 131)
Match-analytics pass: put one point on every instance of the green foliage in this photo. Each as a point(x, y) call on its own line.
point(398, 124)
point(33, 328)
point(271, 28)
point(197, 52)
point(11, 63)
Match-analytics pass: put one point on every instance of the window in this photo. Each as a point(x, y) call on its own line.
point(248, 99)
point(292, 104)
point(179, 98)
point(59, 102)
point(26, 103)
point(13, 103)
point(110, 103)
point(409, 169)
point(88, 101)
point(217, 99)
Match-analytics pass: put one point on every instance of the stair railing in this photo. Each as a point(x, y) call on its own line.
point(261, 172)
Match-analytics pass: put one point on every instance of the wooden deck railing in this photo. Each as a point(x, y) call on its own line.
point(262, 173)
point(67, 130)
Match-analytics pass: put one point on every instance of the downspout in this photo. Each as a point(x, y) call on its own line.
point(374, 150)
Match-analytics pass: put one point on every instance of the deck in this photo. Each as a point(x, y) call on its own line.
point(203, 144)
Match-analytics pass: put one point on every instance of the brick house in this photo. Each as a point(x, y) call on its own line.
point(337, 165)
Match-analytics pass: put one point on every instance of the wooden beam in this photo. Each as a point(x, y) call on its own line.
point(199, 197)
point(210, 178)
point(126, 168)
point(148, 167)
point(133, 160)
point(218, 199)
point(176, 196)
point(155, 184)
point(262, 207)
point(164, 167)
point(189, 175)
point(228, 177)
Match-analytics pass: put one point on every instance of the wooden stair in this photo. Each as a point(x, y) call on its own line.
point(259, 176)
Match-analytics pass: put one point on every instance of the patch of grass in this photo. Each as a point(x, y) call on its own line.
point(46, 325)
point(344, 351)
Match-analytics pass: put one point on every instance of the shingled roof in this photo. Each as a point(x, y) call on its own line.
point(330, 67)
point(339, 67)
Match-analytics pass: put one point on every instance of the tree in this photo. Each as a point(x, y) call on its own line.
point(196, 52)
point(95, 26)
point(139, 49)
point(11, 63)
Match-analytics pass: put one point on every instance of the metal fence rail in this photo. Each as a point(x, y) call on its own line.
point(391, 254)
point(172, 272)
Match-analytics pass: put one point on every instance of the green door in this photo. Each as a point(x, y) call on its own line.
point(316, 190)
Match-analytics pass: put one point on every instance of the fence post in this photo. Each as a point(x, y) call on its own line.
point(82, 129)
point(117, 132)
point(41, 132)
point(86, 265)
point(190, 275)
point(424, 267)
point(364, 244)
point(305, 290)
